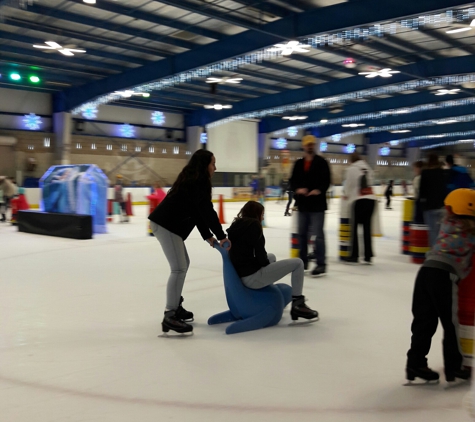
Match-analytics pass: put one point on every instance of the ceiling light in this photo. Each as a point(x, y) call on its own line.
point(349, 63)
point(218, 106)
point(224, 80)
point(400, 131)
point(324, 121)
point(446, 122)
point(34, 79)
point(290, 47)
point(447, 91)
point(52, 45)
point(454, 31)
point(15, 76)
point(384, 73)
point(353, 125)
point(89, 1)
point(295, 117)
point(128, 93)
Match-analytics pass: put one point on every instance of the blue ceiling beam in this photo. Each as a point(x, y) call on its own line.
point(58, 57)
point(327, 19)
point(412, 47)
point(90, 51)
point(296, 71)
point(382, 137)
point(264, 6)
point(223, 89)
point(445, 113)
point(271, 77)
point(56, 32)
point(420, 70)
point(321, 63)
point(273, 124)
point(152, 18)
point(98, 23)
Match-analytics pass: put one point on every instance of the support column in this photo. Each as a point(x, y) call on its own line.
point(62, 124)
point(193, 138)
point(413, 155)
point(263, 145)
point(372, 154)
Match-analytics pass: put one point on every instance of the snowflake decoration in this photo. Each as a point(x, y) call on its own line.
point(384, 151)
point(89, 112)
point(32, 121)
point(203, 138)
point(350, 148)
point(336, 138)
point(127, 131)
point(323, 146)
point(158, 118)
point(281, 143)
point(292, 131)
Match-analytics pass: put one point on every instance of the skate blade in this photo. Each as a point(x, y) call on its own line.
point(318, 275)
point(419, 383)
point(456, 384)
point(175, 335)
point(304, 322)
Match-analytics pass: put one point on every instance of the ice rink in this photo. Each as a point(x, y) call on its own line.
point(80, 320)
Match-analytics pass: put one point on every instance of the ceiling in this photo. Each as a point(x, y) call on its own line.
point(138, 44)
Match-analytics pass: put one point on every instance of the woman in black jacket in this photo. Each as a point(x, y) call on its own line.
point(187, 204)
point(257, 268)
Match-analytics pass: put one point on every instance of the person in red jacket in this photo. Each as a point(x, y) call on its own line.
point(187, 204)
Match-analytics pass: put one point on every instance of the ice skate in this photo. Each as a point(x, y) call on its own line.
point(300, 310)
point(457, 378)
point(319, 271)
point(183, 314)
point(171, 322)
point(425, 373)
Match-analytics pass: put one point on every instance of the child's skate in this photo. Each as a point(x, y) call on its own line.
point(300, 310)
point(171, 322)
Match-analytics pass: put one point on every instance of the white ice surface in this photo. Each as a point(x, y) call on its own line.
point(79, 322)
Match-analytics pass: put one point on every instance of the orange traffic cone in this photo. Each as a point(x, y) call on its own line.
point(221, 210)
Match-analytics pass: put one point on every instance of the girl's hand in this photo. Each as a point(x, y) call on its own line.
point(223, 241)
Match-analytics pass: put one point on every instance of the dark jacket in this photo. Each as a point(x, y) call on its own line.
point(432, 190)
point(181, 211)
point(389, 191)
point(248, 253)
point(318, 177)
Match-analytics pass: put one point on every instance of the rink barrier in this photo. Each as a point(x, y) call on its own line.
point(345, 238)
point(407, 214)
point(294, 235)
point(466, 314)
point(419, 242)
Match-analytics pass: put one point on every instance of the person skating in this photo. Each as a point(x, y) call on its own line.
point(435, 290)
point(187, 204)
point(388, 193)
point(257, 268)
point(310, 181)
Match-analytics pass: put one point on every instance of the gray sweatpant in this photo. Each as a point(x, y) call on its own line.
point(175, 251)
point(275, 271)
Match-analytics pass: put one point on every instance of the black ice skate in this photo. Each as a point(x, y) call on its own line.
point(425, 373)
point(182, 313)
point(462, 373)
point(300, 310)
point(171, 322)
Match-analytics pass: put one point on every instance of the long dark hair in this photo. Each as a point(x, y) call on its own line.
point(251, 209)
point(195, 174)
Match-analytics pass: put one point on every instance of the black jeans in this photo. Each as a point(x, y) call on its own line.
point(291, 197)
point(388, 201)
point(362, 212)
point(435, 297)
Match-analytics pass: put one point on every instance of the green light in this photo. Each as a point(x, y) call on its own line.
point(34, 79)
point(146, 95)
point(15, 76)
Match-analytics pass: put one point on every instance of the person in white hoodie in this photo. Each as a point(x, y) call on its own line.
point(358, 191)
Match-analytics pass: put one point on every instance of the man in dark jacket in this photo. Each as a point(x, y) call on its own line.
point(310, 181)
point(457, 176)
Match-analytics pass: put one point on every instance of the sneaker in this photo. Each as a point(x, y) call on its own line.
point(300, 310)
point(462, 373)
point(171, 322)
point(182, 313)
point(425, 373)
point(350, 261)
point(367, 262)
point(319, 271)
